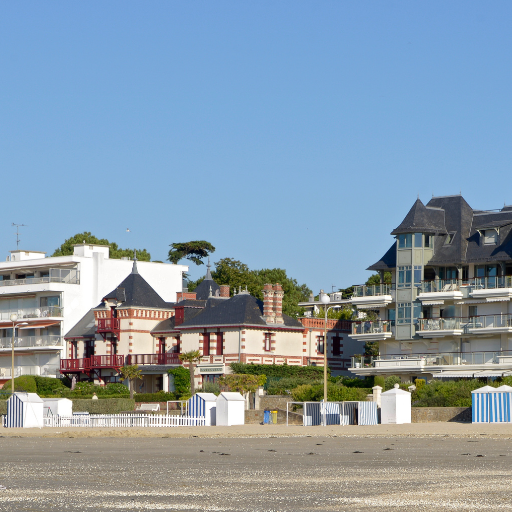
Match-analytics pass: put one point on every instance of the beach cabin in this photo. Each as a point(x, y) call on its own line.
point(500, 401)
point(395, 406)
point(230, 409)
point(24, 410)
point(203, 404)
point(57, 407)
point(480, 404)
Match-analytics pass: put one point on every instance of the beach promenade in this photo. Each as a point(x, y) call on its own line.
point(426, 466)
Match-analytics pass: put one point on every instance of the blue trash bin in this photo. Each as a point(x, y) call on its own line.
point(266, 417)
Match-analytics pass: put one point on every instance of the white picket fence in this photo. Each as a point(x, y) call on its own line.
point(123, 420)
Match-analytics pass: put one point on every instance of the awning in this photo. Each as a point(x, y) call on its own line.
point(432, 302)
point(490, 373)
point(451, 375)
point(38, 325)
point(498, 299)
point(369, 306)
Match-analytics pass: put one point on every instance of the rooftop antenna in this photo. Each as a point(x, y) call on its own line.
point(333, 286)
point(18, 226)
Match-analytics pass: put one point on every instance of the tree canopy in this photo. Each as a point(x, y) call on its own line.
point(116, 252)
point(194, 251)
point(238, 275)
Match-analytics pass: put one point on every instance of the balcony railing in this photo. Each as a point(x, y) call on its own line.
point(372, 327)
point(49, 370)
point(498, 321)
point(466, 285)
point(114, 361)
point(108, 324)
point(32, 341)
point(489, 322)
point(56, 275)
point(26, 313)
point(154, 359)
point(440, 359)
point(441, 324)
point(373, 290)
point(332, 324)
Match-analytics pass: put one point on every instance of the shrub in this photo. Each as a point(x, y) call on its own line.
point(356, 382)
point(335, 393)
point(49, 386)
point(211, 387)
point(181, 380)
point(446, 394)
point(389, 382)
point(419, 383)
point(279, 371)
point(110, 406)
point(160, 396)
point(25, 383)
point(113, 388)
point(379, 380)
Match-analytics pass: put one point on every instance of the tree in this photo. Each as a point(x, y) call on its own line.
point(132, 373)
point(344, 313)
point(191, 357)
point(115, 252)
point(194, 251)
point(374, 279)
point(243, 383)
point(237, 274)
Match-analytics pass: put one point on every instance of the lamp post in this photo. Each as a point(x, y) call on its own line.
point(325, 299)
point(14, 317)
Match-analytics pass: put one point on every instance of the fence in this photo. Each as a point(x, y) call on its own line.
point(123, 420)
point(337, 413)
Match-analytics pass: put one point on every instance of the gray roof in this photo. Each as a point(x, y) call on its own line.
point(84, 328)
point(422, 219)
point(242, 309)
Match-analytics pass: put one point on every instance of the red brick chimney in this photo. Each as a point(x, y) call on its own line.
point(278, 304)
point(185, 295)
point(224, 290)
point(268, 304)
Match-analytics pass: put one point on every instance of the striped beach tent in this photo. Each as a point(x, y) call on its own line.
point(480, 404)
point(367, 413)
point(203, 404)
point(24, 410)
point(500, 402)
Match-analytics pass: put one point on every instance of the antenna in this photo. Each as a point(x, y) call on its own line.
point(333, 286)
point(18, 226)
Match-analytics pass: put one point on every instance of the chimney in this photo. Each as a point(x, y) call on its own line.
point(278, 303)
point(268, 304)
point(224, 290)
point(185, 296)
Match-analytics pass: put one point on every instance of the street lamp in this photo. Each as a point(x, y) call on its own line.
point(325, 299)
point(14, 317)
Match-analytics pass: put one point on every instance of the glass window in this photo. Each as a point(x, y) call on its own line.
point(449, 238)
point(391, 315)
point(429, 241)
point(404, 276)
point(320, 344)
point(490, 236)
point(418, 240)
point(416, 311)
point(479, 271)
point(404, 313)
point(268, 338)
point(405, 241)
point(417, 274)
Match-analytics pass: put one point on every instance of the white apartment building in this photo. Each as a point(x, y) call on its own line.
point(50, 295)
point(448, 310)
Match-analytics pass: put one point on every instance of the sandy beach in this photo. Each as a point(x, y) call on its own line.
point(428, 466)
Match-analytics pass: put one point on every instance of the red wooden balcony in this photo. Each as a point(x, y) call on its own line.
point(332, 324)
point(87, 364)
point(157, 359)
point(98, 362)
point(75, 365)
point(108, 325)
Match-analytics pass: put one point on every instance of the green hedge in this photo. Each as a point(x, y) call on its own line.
point(279, 371)
point(335, 393)
point(161, 396)
point(111, 406)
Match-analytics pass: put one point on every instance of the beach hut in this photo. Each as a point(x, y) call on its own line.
point(24, 410)
point(480, 404)
point(395, 406)
point(57, 407)
point(230, 409)
point(367, 413)
point(500, 401)
point(313, 413)
point(203, 404)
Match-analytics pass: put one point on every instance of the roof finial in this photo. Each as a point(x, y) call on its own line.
point(208, 273)
point(134, 268)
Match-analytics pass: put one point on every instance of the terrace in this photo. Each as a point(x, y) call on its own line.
point(54, 275)
point(31, 342)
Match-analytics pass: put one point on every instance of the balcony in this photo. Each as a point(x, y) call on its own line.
point(441, 290)
point(49, 370)
point(375, 296)
point(33, 314)
point(332, 324)
point(169, 358)
point(489, 324)
point(31, 342)
point(56, 275)
point(108, 325)
point(87, 364)
point(377, 330)
point(473, 364)
point(439, 327)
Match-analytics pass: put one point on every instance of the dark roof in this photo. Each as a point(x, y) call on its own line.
point(135, 291)
point(388, 261)
point(208, 287)
point(422, 219)
point(238, 310)
point(84, 328)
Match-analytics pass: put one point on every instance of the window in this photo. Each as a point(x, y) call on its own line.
point(404, 313)
point(416, 309)
point(392, 315)
point(404, 276)
point(417, 275)
point(473, 311)
point(320, 344)
point(336, 346)
point(429, 241)
point(268, 339)
point(405, 241)
point(220, 344)
point(418, 240)
point(206, 344)
point(490, 237)
point(449, 238)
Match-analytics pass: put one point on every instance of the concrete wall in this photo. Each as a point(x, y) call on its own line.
point(433, 414)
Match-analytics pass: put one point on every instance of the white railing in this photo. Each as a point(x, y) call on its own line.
point(123, 420)
point(32, 341)
point(25, 313)
point(56, 275)
point(50, 370)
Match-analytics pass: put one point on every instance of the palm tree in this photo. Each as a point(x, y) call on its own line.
point(191, 357)
point(132, 373)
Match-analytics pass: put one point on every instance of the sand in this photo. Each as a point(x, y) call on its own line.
point(430, 466)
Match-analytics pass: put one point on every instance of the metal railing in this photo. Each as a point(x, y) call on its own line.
point(498, 321)
point(56, 275)
point(372, 290)
point(489, 321)
point(439, 359)
point(440, 324)
point(32, 341)
point(45, 371)
point(26, 313)
point(466, 285)
point(372, 327)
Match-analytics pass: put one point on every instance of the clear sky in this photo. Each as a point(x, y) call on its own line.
point(292, 134)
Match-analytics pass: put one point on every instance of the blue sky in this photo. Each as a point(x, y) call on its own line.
point(288, 134)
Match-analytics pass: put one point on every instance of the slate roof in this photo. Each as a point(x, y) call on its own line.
point(135, 291)
point(451, 216)
point(204, 287)
point(84, 328)
point(242, 309)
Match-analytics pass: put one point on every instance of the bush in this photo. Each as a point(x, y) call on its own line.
point(49, 386)
point(419, 383)
point(389, 382)
point(113, 388)
point(279, 371)
point(335, 393)
point(285, 385)
point(110, 406)
point(446, 394)
point(211, 387)
point(379, 380)
point(181, 380)
point(26, 383)
point(356, 382)
point(161, 396)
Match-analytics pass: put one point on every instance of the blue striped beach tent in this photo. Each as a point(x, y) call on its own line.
point(500, 402)
point(24, 410)
point(313, 412)
point(203, 404)
point(480, 404)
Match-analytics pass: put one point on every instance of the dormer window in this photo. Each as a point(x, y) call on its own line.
point(449, 238)
point(490, 237)
point(405, 241)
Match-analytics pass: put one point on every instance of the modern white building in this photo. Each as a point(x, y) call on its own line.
point(49, 295)
point(447, 312)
